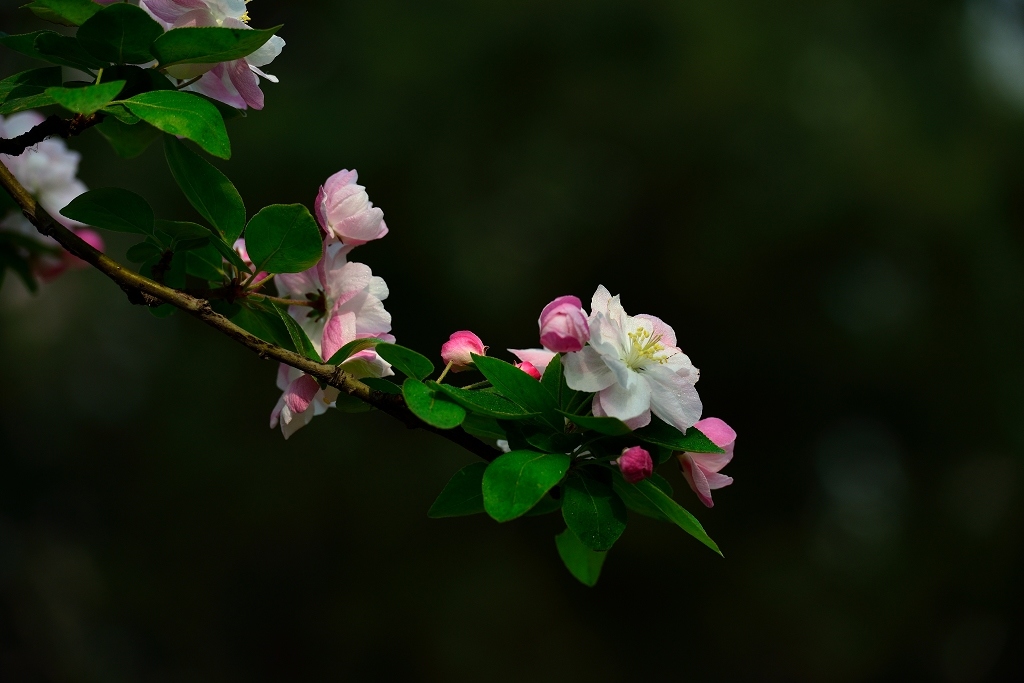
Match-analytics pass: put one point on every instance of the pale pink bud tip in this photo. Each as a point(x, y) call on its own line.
point(458, 348)
point(529, 368)
point(635, 464)
point(563, 325)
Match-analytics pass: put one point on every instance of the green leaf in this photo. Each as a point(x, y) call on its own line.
point(592, 511)
point(647, 494)
point(121, 34)
point(66, 12)
point(128, 141)
point(171, 233)
point(483, 428)
point(462, 495)
point(143, 251)
point(264, 323)
point(516, 481)
point(88, 99)
point(382, 385)
point(602, 425)
point(350, 404)
point(521, 389)
point(208, 45)
point(430, 407)
point(664, 434)
point(297, 334)
point(582, 562)
point(112, 208)
point(205, 263)
point(485, 403)
point(546, 506)
point(206, 188)
point(27, 89)
point(168, 269)
point(411, 363)
point(184, 114)
point(230, 255)
point(546, 441)
point(283, 238)
point(66, 51)
point(643, 506)
point(353, 347)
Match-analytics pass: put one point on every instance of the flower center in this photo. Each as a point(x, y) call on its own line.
point(245, 15)
point(644, 348)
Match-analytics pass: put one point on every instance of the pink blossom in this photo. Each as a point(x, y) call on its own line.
point(563, 325)
point(529, 368)
point(538, 358)
point(458, 348)
point(345, 211)
point(302, 400)
point(243, 253)
point(635, 464)
point(702, 469)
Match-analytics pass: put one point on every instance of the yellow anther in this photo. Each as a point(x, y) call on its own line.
point(643, 346)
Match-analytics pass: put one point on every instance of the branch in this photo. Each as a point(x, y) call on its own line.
point(146, 292)
point(54, 125)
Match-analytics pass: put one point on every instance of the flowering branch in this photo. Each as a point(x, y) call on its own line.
point(144, 291)
point(54, 125)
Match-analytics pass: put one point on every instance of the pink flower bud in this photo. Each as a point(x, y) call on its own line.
point(529, 368)
point(635, 464)
point(563, 325)
point(346, 212)
point(702, 470)
point(458, 348)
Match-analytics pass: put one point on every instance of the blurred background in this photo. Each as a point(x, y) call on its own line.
point(825, 199)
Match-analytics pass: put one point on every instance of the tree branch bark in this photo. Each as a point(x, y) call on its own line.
point(54, 125)
point(143, 291)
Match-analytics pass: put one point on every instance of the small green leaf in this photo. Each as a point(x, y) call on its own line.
point(184, 114)
point(230, 255)
point(592, 511)
point(120, 33)
point(646, 494)
point(208, 45)
point(112, 208)
point(427, 405)
point(644, 506)
point(27, 89)
point(283, 238)
point(264, 323)
point(128, 141)
point(462, 495)
point(483, 428)
point(353, 347)
point(582, 562)
point(602, 425)
point(170, 233)
point(521, 389)
point(350, 404)
point(143, 251)
point(411, 363)
point(485, 403)
point(66, 12)
point(88, 99)
point(664, 434)
point(66, 51)
point(516, 481)
point(297, 334)
point(382, 385)
point(206, 188)
point(205, 263)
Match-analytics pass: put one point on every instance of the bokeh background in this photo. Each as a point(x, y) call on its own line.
point(826, 199)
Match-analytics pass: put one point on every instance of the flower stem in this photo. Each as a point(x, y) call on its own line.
point(445, 372)
point(280, 300)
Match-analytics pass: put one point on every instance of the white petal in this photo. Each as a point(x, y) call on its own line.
point(673, 398)
point(586, 370)
point(626, 404)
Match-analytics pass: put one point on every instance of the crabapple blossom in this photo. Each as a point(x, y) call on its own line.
point(529, 368)
point(345, 211)
point(702, 469)
point(538, 358)
point(563, 325)
point(236, 83)
point(634, 367)
point(302, 400)
point(458, 349)
point(635, 464)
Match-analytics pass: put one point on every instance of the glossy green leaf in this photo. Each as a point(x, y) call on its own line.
point(546, 506)
point(298, 335)
point(283, 238)
point(521, 389)
point(462, 495)
point(143, 251)
point(350, 404)
point(184, 114)
point(642, 505)
point(171, 233)
point(208, 45)
point(482, 427)
point(88, 99)
point(66, 12)
point(646, 494)
point(382, 385)
point(602, 425)
point(206, 188)
point(664, 434)
point(353, 347)
point(27, 89)
point(430, 406)
point(127, 141)
point(230, 255)
point(205, 263)
point(112, 208)
point(64, 50)
point(592, 511)
point(546, 441)
point(516, 481)
point(582, 562)
point(411, 363)
point(120, 33)
point(264, 323)
point(485, 403)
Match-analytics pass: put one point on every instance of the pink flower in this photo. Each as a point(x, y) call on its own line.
point(702, 469)
point(301, 401)
point(635, 464)
point(538, 358)
point(458, 348)
point(563, 325)
point(529, 368)
point(345, 211)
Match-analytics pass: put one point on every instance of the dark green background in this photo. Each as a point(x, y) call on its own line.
point(823, 198)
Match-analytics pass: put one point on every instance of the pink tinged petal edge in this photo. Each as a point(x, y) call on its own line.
point(539, 358)
point(668, 335)
point(696, 479)
point(246, 83)
point(301, 393)
point(717, 430)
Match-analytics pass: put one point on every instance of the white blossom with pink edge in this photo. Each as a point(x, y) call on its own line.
point(345, 211)
point(236, 83)
point(702, 469)
point(538, 358)
point(302, 400)
point(634, 367)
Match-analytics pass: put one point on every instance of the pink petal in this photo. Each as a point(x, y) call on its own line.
point(301, 393)
point(711, 462)
point(717, 430)
point(696, 479)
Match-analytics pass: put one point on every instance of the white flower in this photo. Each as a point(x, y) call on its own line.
point(635, 368)
point(302, 400)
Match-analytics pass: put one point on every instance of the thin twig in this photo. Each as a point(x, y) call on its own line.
point(54, 125)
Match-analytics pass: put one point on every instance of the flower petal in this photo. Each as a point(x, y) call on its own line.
point(673, 398)
point(696, 479)
point(586, 370)
point(717, 430)
point(626, 404)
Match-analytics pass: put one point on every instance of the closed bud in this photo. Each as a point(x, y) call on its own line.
point(563, 325)
point(529, 368)
point(458, 348)
point(635, 464)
